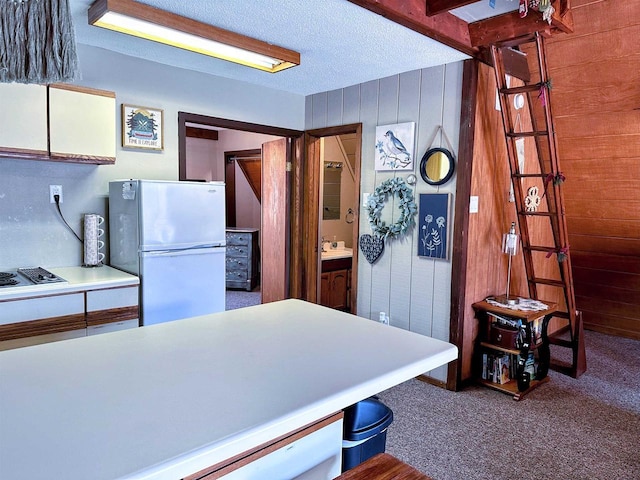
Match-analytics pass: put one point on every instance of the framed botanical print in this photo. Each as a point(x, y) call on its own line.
point(142, 127)
point(434, 228)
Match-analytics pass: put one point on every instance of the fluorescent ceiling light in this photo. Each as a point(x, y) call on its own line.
point(139, 20)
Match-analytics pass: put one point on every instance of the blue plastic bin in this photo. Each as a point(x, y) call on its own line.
point(364, 431)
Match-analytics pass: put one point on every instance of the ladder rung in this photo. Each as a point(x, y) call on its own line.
point(532, 87)
point(538, 214)
point(539, 133)
point(548, 281)
point(536, 248)
point(562, 342)
point(529, 175)
point(514, 42)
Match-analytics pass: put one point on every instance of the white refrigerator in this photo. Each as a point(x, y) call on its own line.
point(171, 235)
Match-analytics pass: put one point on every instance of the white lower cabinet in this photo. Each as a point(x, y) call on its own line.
point(44, 319)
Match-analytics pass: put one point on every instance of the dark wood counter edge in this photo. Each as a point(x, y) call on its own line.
point(112, 315)
point(33, 328)
point(231, 464)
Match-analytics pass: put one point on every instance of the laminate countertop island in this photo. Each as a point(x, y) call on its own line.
point(165, 401)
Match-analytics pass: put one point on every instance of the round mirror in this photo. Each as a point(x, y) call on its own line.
point(436, 166)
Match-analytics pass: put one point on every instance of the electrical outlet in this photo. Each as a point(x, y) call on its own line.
point(55, 190)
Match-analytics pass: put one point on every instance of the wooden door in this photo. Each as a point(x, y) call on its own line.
point(275, 221)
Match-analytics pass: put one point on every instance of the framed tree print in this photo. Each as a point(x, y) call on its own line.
point(142, 127)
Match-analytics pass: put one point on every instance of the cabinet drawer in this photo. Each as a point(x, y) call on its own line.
point(238, 251)
point(14, 311)
point(112, 327)
point(112, 298)
point(39, 339)
point(238, 238)
point(237, 263)
point(236, 275)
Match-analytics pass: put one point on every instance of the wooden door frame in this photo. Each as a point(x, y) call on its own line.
point(311, 196)
point(295, 176)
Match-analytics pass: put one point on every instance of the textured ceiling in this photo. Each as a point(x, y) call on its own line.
point(340, 44)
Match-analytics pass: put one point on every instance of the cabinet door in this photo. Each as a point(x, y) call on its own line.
point(325, 289)
point(82, 124)
point(23, 123)
point(339, 289)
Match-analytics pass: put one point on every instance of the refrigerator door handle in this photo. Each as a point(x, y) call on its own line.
point(182, 251)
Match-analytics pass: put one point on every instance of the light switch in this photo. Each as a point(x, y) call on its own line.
point(365, 199)
point(473, 204)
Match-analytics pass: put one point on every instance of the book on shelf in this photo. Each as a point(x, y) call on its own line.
point(501, 368)
point(513, 323)
point(536, 331)
point(497, 367)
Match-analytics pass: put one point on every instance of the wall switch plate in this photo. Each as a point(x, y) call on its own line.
point(55, 190)
point(473, 204)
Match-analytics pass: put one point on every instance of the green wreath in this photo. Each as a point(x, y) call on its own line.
point(408, 209)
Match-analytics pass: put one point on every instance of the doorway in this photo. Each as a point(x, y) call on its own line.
point(283, 147)
point(332, 188)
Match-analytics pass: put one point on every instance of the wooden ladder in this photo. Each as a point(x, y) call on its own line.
point(523, 93)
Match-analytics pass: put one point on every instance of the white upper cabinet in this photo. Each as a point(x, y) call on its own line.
point(82, 124)
point(23, 123)
point(59, 122)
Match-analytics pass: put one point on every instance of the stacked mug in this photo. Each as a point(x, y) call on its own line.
point(93, 257)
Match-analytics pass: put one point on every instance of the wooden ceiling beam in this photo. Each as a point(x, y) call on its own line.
point(434, 7)
point(470, 38)
point(509, 25)
point(444, 27)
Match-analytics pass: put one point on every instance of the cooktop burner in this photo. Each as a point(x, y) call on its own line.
point(7, 279)
point(28, 276)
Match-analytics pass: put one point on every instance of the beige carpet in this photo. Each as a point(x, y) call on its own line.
point(586, 428)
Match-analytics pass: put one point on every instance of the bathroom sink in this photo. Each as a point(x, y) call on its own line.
point(337, 253)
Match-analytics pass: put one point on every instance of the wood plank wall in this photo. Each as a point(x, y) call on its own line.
point(415, 292)
point(487, 266)
point(595, 74)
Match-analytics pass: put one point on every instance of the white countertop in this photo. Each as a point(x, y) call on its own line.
point(341, 253)
point(164, 401)
point(77, 279)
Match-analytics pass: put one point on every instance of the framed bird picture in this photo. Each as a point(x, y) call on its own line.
point(395, 146)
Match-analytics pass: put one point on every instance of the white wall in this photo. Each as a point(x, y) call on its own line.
point(31, 232)
point(203, 160)
point(414, 291)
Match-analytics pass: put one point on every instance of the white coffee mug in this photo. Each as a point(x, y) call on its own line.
point(100, 257)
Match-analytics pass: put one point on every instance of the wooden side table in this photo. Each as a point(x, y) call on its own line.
point(527, 342)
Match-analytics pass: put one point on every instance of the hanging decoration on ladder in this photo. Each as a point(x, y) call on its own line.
point(37, 42)
point(561, 252)
point(542, 94)
point(542, 6)
point(532, 201)
point(557, 179)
